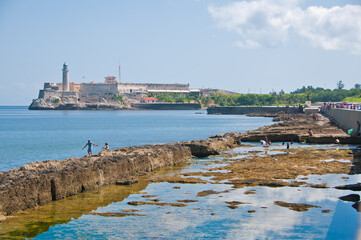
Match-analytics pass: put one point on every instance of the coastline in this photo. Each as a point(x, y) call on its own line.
point(38, 183)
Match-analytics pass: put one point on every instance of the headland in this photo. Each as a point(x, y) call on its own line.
point(114, 95)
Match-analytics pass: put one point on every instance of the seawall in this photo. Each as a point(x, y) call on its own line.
point(38, 183)
point(247, 110)
point(344, 118)
point(167, 106)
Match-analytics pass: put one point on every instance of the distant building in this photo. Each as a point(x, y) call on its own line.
point(109, 89)
point(149, 100)
point(110, 80)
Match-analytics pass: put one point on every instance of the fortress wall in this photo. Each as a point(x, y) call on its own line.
point(246, 110)
point(46, 94)
point(175, 86)
point(71, 94)
point(142, 87)
point(131, 87)
point(49, 94)
point(345, 118)
point(99, 88)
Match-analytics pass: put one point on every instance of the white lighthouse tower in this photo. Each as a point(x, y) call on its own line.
point(65, 78)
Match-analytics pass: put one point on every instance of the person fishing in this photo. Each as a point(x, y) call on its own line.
point(106, 148)
point(89, 144)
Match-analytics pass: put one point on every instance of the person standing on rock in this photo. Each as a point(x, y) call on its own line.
point(89, 144)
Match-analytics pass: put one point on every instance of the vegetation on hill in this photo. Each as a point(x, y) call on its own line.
point(176, 97)
point(296, 97)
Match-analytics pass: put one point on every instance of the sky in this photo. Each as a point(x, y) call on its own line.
point(249, 46)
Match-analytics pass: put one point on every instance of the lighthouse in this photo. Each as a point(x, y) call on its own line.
point(65, 78)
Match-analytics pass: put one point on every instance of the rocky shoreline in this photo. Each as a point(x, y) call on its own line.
point(39, 183)
point(41, 104)
point(294, 127)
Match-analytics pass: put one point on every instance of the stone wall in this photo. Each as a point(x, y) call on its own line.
point(131, 87)
point(143, 87)
point(46, 94)
point(98, 89)
point(247, 110)
point(49, 94)
point(344, 118)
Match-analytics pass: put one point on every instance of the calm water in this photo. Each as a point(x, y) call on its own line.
point(39, 135)
point(207, 218)
point(27, 136)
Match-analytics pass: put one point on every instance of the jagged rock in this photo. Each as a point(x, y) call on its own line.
point(212, 146)
point(350, 198)
point(353, 187)
point(298, 207)
point(357, 206)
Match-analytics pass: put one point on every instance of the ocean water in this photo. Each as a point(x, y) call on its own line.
point(27, 136)
point(39, 135)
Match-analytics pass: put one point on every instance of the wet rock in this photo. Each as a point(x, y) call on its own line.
point(130, 210)
point(263, 182)
point(137, 203)
point(326, 211)
point(206, 193)
point(179, 179)
point(127, 181)
point(117, 214)
point(250, 192)
point(234, 204)
point(298, 207)
point(353, 187)
point(149, 196)
point(357, 206)
point(322, 185)
point(350, 198)
point(213, 145)
point(187, 201)
point(251, 211)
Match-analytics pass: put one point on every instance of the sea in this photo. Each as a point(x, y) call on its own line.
point(27, 136)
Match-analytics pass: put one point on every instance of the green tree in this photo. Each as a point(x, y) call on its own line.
point(340, 85)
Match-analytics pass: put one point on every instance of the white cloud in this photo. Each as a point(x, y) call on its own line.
point(270, 23)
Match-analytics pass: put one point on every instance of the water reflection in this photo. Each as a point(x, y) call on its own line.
point(255, 217)
point(32, 222)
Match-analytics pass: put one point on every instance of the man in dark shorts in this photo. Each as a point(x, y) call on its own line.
point(89, 144)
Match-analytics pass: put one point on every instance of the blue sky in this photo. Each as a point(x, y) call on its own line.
point(247, 46)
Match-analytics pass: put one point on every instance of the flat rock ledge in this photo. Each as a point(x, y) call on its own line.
point(38, 183)
point(294, 127)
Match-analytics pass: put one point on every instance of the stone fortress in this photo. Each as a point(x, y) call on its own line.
point(71, 95)
point(110, 94)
